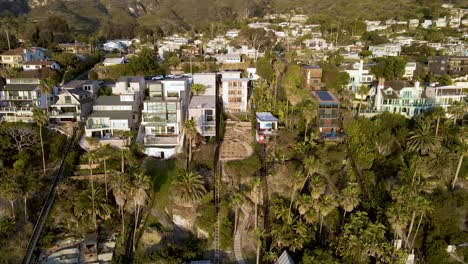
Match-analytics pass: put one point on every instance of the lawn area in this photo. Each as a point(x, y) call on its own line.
point(162, 173)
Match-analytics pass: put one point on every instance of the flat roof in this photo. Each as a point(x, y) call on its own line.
point(111, 100)
point(113, 115)
point(203, 101)
point(266, 116)
point(20, 87)
point(325, 97)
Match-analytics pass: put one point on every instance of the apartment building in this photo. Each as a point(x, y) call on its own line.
point(202, 109)
point(445, 96)
point(451, 65)
point(234, 91)
point(163, 116)
point(19, 97)
point(401, 97)
point(15, 58)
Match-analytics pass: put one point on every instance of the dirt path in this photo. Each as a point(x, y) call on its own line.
point(238, 237)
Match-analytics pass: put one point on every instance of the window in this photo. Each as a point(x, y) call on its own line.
point(170, 130)
point(209, 115)
point(155, 89)
point(68, 99)
point(235, 100)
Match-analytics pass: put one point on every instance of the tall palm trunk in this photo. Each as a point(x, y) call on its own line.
point(460, 161)
point(105, 178)
point(25, 200)
point(190, 153)
point(12, 204)
point(360, 103)
point(413, 217)
point(236, 215)
point(92, 193)
point(123, 220)
point(437, 126)
point(43, 154)
point(259, 244)
point(122, 162)
point(256, 213)
point(293, 194)
point(417, 229)
point(306, 128)
point(321, 225)
point(137, 215)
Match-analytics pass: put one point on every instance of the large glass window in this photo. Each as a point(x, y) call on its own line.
point(209, 115)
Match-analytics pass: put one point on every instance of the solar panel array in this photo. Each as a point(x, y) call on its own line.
point(324, 95)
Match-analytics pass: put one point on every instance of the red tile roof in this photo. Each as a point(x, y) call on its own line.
point(12, 52)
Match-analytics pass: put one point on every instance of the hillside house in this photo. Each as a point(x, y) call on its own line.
point(38, 65)
point(19, 96)
point(401, 97)
point(163, 117)
point(234, 91)
point(207, 79)
point(15, 58)
point(329, 123)
point(202, 109)
point(311, 77)
point(72, 105)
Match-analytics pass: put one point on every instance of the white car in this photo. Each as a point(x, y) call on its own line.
point(157, 77)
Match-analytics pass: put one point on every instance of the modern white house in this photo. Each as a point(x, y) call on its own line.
point(401, 97)
point(130, 88)
point(72, 105)
point(413, 23)
point(228, 58)
point(202, 109)
point(446, 95)
point(19, 97)
point(359, 74)
point(113, 61)
point(385, 50)
point(37, 65)
point(316, 44)
point(16, 57)
point(208, 79)
point(111, 115)
point(86, 85)
point(410, 68)
point(163, 117)
point(234, 91)
point(266, 126)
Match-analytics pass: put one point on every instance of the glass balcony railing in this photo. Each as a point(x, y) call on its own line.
point(97, 126)
point(162, 140)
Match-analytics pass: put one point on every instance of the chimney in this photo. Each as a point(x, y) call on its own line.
point(416, 85)
point(381, 83)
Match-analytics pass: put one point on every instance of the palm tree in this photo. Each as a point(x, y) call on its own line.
point(9, 191)
point(424, 209)
point(304, 205)
point(140, 187)
point(198, 89)
point(189, 187)
point(350, 199)
point(26, 186)
point(309, 112)
point(190, 129)
point(120, 185)
point(41, 118)
point(91, 155)
point(438, 113)
point(317, 187)
point(236, 201)
point(462, 151)
point(105, 152)
point(99, 209)
point(422, 140)
point(256, 193)
point(324, 206)
point(46, 86)
point(457, 109)
point(297, 183)
point(363, 91)
point(259, 234)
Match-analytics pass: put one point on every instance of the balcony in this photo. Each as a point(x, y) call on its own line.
point(61, 114)
point(166, 140)
point(97, 126)
point(15, 109)
point(20, 98)
point(26, 119)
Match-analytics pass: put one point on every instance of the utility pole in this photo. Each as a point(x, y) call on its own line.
point(8, 38)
